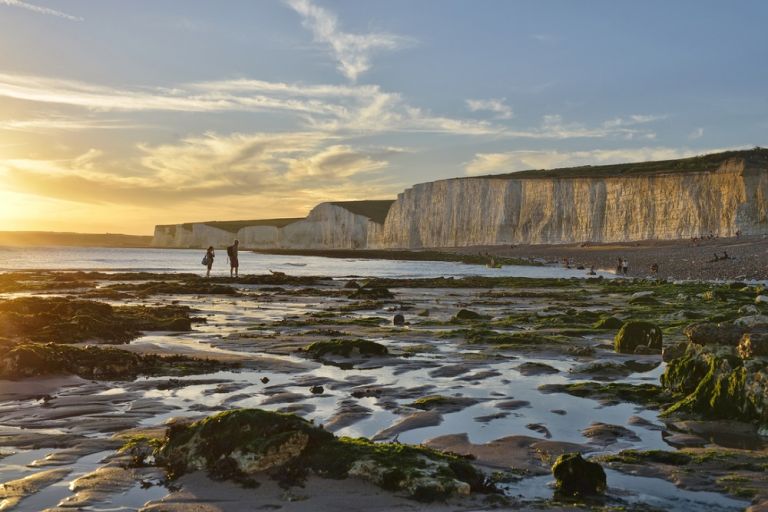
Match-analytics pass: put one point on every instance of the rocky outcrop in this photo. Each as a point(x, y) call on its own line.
point(719, 194)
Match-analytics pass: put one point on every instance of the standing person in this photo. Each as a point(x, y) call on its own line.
point(234, 264)
point(619, 266)
point(208, 260)
point(624, 266)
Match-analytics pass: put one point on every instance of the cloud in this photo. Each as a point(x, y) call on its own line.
point(553, 126)
point(279, 168)
point(510, 161)
point(56, 122)
point(40, 10)
point(352, 51)
point(696, 134)
point(356, 108)
point(497, 106)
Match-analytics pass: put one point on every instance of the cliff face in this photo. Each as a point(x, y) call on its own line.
point(328, 225)
point(489, 210)
point(717, 194)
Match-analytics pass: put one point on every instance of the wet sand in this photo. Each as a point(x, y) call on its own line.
point(491, 396)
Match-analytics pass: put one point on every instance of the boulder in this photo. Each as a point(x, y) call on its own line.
point(578, 477)
point(398, 320)
point(466, 314)
point(242, 443)
point(761, 299)
point(752, 321)
point(707, 333)
point(753, 345)
point(610, 322)
point(715, 383)
point(636, 333)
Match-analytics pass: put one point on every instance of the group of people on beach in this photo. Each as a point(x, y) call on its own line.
point(232, 257)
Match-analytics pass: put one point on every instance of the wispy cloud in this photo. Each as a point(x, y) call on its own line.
point(696, 134)
point(510, 161)
point(280, 169)
point(40, 10)
point(365, 109)
point(352, 51)
point(497, 106)
point(555, 127)
point(53, 122)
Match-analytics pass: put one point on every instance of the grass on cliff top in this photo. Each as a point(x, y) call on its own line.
point(700, 163)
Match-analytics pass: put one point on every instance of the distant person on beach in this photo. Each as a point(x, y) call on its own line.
point(624, 267)
point(655, 268)
point(618, 266)
point(208, 260)
point(234, 263)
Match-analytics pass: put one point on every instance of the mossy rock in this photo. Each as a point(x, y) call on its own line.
point(93, 362)
point(62, 320)
point(345, 348)
point(578, 477)
point(609, 322)
point(466, 314)
point(372, 292)
point(717, 384)
point(634, 334)
point(242, 444)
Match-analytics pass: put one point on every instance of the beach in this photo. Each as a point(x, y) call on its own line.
point(509, 371)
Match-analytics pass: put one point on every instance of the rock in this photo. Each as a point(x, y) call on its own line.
point(749, 309)
point(638, 295)
point(264, 380)
point(685, 441)
point(352, 285)
point(761, 299)
point(752, 321)
point(540, 428)
point(512, 405)
point(578, 477)
point(714, 382)
point(531, 368)
point(635, 333)
point(424, 312)
point(317, 390)
point(753, 345)
point(398, 320)
point(240, 444)
point(466, 314)
point(605, 434)
point(707, 333)
point(673, 351)
point(610, 322)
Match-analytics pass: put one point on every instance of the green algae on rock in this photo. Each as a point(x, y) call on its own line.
point(634, 334)
point(612, 393)
point(715, 383)
point(62, 320)
point(578, 477)
point(92, 362)
point(244, 443)
point(345, 348)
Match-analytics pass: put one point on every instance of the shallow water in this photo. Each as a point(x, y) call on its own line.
point(188, 260)
point(230, 318)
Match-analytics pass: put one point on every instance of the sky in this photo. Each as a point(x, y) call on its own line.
point(116, 116)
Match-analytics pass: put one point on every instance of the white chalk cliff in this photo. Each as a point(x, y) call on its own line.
point(718, 194)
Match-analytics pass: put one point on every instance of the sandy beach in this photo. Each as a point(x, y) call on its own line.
point(683, 259)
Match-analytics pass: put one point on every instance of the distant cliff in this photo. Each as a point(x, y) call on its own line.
point(338, 225)
point(719, 194)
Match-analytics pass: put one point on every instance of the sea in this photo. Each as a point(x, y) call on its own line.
point(189, 260)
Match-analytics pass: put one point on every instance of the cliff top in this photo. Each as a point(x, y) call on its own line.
point(701, 163)
point(233, 226)
point(376, 210)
